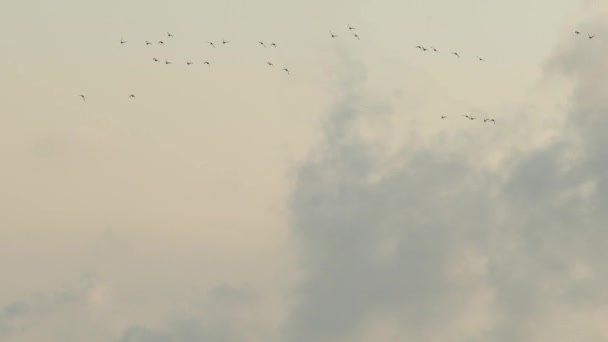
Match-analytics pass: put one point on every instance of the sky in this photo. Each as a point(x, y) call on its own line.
point(236, 202)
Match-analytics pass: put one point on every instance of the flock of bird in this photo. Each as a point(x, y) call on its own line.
point(333, 36)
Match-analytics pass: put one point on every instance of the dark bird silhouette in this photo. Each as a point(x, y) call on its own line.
point(122, 41)
point(577, 32)
point(225, 42)
point(443, 116)
point(486, 120)
point(286, 70)
point(209, 64)
point(269, 63)
point(211, 43)
point(156, 60)
point(148, 43)
point(434, 49)
point(419, 47)
point(333, 35)
point(189, 63)
point(83, 98)
point(161, 42)
point(590, 36)
point(356, 36)
point(493, 121)
point(262, 43)
point(350, 27)
point(132, 96)
point(167, 62)
point(456, 54)
point(273, 44)
point(469, 117)
point(169, 34)
point(481, 59)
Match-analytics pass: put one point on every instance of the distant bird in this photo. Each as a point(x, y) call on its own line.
point(189, 63)
point(493, 121)
point(350, 27)
point(262, 43)
point(469, 117)
point(456, 54)
point(356, 36)
point(83, 98)
point(590, 36)
point(269, 63)
point(167, 62)
point(486, 120)
point(577, 32)
point(481, 59)
point(161, 42)
point(148, 43)
point(169, 34)
point(419, 47)
point(424, 49)
point(156, 60)
point(211, 43)
point(209, 64)
point(286, 70)
point(434, 49)
point(132, 96)
point(225, 41)
point(122, 41)
point(443, 116)
point(273, 44)
point(333, 35)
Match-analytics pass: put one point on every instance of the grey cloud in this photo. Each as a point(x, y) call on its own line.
point(386, 249)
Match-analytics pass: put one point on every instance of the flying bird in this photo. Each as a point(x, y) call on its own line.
point(161, 42)
point(577, 32)
point(469, 117)
point(590, 36)
point(269, 63)
point(481, 59)
point(356, 36)
point(286, 70)
point(262, 43)
point(156, 60)
point(273, 44)
point(493, 121)
point(148, 43)
point(225, 41)
point(122, 41)
point(350, 27)
point(456, 54)
point(332, 35)
point(211, 43)
point(189, 63)
point(443, 116)
point(169, 34)
point(434, 49)
point(131, 96)
point(83, 98)
point(209, 64)
point(167, 62)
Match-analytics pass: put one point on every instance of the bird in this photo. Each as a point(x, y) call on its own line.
point(167, 62)
point(269, 63)
point(148, 43)
point(481, 59)
point(156, 60)
point(443, 116)
point(161, 42)
point(83, 98)
point(356, 36)
point(350, 27)
point(333, 35)
point(122, 41)
point(434, 49)
point(419, 47)
point(225, 41)
point(493, 121)
point(209, 64)
point(211, 43)
point(486, 120)
point(273, 44)
point(456, 54)
point(286, 70)
point(577, 32)
point(424, 49)
point(469, 117)
point(132, 96)
point(169, 34)
point(189, 63)
point(262, 43)
point(590, 36)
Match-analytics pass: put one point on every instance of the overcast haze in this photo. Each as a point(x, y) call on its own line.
point(235, 202)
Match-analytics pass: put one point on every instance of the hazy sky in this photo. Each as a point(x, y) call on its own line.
point(234, 202)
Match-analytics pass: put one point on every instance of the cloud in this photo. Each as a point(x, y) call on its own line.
point(446, 251)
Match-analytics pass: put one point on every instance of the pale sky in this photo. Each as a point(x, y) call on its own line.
point(235, 202)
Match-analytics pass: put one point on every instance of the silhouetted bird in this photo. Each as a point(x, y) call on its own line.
point(169, 34)
point(262, 43)
point(333, 35)
point(590, 36)
point(356, 36)
point(156, 60)
point(350, 27)
point(148, 43)
point(273, 44)
point(83, 98)
point(122, 41)
point(286, 70)
point(211, 43)
point(269, 63)
point(132, 96)
point(456, 54)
